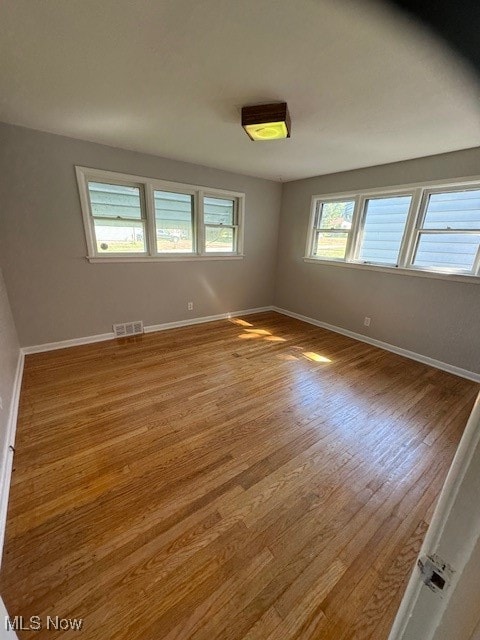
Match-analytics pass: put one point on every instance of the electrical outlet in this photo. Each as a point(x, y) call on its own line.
point(190, 306)
point(367, 321)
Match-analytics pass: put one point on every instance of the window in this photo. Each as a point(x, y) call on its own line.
point(174, 222)
point(132, 218)
point(449, 234)
point(383, 228)
point(219, 216)
point(332, 227)
point(422, 229)
point(118, 218)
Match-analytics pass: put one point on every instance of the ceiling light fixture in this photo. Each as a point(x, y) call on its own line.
point(266, 121)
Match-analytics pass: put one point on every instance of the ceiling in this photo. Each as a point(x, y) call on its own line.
point(168, 77)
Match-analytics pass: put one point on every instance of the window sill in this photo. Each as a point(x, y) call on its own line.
point(455, 277)
point(172, 258)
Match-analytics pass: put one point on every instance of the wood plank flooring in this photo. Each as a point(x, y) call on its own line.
point(250, 479)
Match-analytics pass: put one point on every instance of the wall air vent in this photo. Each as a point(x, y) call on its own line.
point(125, 329)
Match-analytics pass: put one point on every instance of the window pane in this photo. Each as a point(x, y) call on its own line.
point(385, 220)
point(119, 236)
point(114, 201)
point(219, 239)
point(174, 222)
point(330, 245)
point(453, 210)
point(335, 215)
point(447, 250)
point(218, 211)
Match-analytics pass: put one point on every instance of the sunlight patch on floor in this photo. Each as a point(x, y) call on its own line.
point(315, 357)
point(260, 332)
point(251, 334)
point(240, 322)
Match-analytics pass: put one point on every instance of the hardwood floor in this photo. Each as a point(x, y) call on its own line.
point(251, 479)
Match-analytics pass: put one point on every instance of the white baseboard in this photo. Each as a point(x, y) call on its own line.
point(8, 449)
point(450, 368)
point(101, 337)
point(201, 320)
point(438, 364)
point(64, 344)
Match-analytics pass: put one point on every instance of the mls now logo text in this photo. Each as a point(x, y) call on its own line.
point(35, 623)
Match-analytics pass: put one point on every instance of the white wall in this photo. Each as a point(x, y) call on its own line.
point(432, 317)
point(454, 534)
point(10, 372)
point(56, 294)
point(463, 610)
point(5, 632)
point(9, 355)
point(9, 351)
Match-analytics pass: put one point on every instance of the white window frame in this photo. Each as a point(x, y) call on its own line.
point(413, 229)
point(419, 230)
point(362, 218)
point(147, 187)
point(313, 230)
point(236, 219)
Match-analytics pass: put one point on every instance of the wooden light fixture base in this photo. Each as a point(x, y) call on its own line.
point(264, 114)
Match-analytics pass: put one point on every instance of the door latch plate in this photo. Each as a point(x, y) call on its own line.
point(436, 573)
